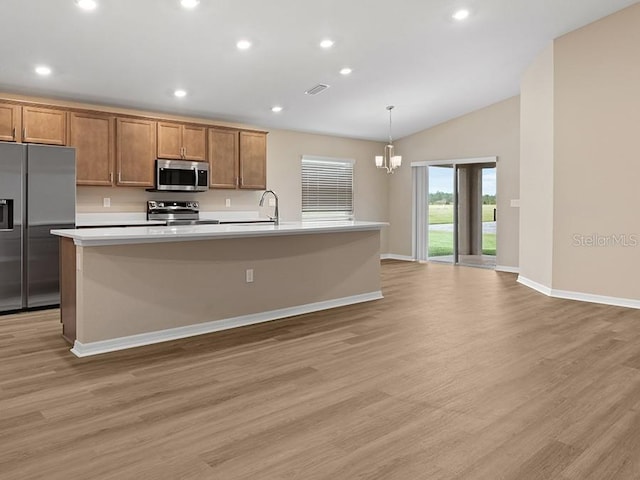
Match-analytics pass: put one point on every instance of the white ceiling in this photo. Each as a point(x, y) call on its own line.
point(408, 53)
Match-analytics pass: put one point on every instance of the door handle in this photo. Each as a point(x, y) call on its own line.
point(495, 214)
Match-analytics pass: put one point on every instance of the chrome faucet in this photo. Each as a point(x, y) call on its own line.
point(276, 216)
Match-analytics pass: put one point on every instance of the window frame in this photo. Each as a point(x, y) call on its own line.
point(327, 215)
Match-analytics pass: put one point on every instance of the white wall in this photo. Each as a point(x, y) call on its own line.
point(536, 170)
point(491, 131)
point(597, 156)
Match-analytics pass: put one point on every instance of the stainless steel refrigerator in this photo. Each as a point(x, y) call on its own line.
point(37, 194)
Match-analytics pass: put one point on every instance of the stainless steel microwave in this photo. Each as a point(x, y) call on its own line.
point(181, 176)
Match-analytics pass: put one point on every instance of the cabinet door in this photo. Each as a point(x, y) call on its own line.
point(9, 122)
point(253, 160)
point(92, 134)
point(223, 158)
point(170, 140)
point(135, 151)
point(44, 125)
point(194, 143)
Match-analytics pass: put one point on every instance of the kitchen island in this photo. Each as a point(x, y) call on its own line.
point(127, 287)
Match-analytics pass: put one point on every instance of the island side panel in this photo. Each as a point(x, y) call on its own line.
point(131, 289)
point(68, 289)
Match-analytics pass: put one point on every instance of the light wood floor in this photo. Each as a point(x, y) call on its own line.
point(459, 373)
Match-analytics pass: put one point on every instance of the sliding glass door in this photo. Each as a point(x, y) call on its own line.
point(477, 212)
point(442, 201)
point(461, 216)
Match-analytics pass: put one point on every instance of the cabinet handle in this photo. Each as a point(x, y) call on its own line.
point(14, 133)
point(119, 177)
point(24, 134)
point(110, 177)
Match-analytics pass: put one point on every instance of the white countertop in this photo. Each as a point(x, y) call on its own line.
point(121, 219)
point(114, 219)
point(153, 234)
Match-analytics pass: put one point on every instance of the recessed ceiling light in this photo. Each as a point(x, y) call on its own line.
point(189, 3)
point(326, 43)
point(180, 93)
point(346, 71)
point(461, 14)
point(87, 4)
point(43, 70)
point(243, 45)
point(276, 109)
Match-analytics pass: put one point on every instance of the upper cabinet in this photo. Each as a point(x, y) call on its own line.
point(238, 159)
point(121, 150)
point(182, 142)
point(135, 151)
point(44, 125)
point(253, 160)
point(93, 136)
point(10, 122)
point(194, 142)
point(223, 158)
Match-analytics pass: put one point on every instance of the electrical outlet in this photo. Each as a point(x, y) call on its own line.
point(272, 202)
point(249, 275)
point(227, 202)
point(106, 202)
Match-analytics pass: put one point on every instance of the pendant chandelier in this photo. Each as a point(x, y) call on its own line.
point(389, 161)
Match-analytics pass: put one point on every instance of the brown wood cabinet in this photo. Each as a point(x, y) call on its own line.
point(224, 158)
point(10, 116)
point(120, 148)
point(135, 151)
point(93, 136)
point(253, 160)
point(237, 159)
point(44, 125)
point(182, 142)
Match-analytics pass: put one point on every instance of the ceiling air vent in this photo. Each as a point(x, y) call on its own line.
point(321, 87)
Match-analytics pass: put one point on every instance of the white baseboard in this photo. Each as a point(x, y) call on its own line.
point(592, 298)
point(579, 296)
point(505, 268)
point(393, 256)
point(535, 285)
point(122, 343)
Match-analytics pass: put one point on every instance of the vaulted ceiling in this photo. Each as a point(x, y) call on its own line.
point(407, 53)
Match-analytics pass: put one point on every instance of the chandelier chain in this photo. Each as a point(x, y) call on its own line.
point(390, 107)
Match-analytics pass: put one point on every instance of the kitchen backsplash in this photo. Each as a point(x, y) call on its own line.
point(92, 199)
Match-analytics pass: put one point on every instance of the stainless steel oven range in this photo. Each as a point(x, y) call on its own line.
point(176, 212)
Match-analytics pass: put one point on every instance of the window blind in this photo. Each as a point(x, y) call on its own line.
point(327, 188)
